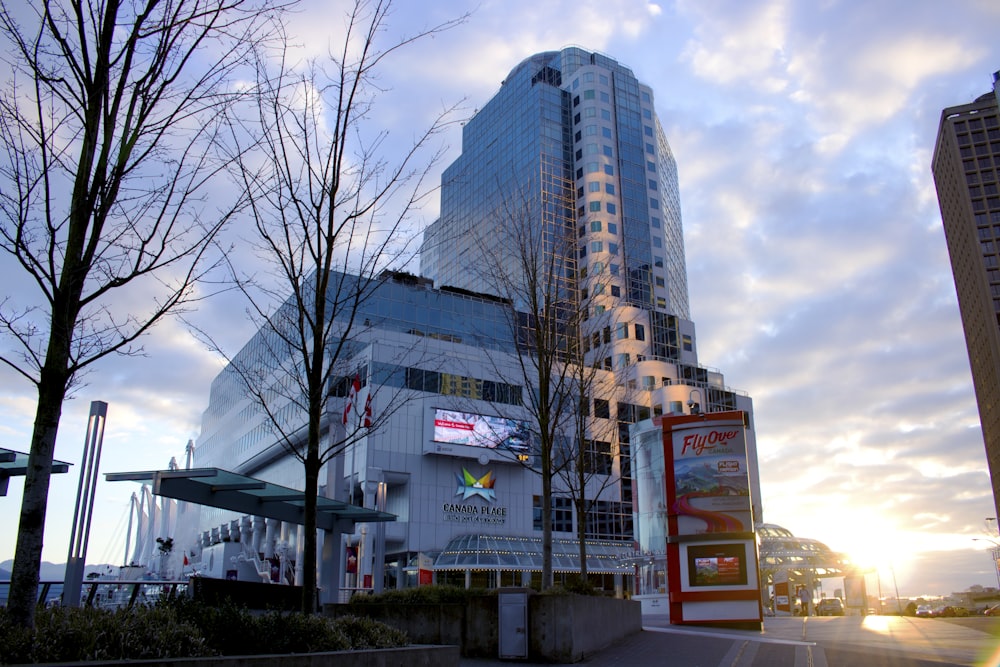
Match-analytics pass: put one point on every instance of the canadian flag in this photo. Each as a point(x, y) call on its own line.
point(186, 561)
point(368, 409)
point(352, 396)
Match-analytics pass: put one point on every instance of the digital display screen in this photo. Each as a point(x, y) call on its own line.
point(475, 430)
point(717, 565)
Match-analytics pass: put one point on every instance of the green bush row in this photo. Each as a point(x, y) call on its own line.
point(422, 595)
point(183, 628)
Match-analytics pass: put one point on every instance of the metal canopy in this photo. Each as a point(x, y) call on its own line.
point(15, 464)
point(231, 491)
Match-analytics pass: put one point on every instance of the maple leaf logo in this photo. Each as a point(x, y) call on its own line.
point(469, 486)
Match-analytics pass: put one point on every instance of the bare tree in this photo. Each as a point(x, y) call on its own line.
point(106, 127)
point(330, 214)
point(529, 260)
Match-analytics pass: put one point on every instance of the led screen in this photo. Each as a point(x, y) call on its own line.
point(717, 565)
point(468, 428)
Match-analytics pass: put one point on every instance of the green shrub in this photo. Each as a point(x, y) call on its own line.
point(182, 628)
point(364, 633)
point(71, 635)
point(423, 595)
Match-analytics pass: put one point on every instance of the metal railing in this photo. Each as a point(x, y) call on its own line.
point(106, 593)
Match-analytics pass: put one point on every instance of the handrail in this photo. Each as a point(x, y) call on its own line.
point(126, 593)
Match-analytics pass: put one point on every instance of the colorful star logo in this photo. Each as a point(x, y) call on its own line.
point(470, 486)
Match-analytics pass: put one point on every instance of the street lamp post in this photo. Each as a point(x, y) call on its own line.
point(996, 556)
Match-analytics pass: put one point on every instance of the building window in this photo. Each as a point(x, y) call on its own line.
point(598, 458)
point(562, 514)
point(611, 208)
point(593, 186)
point(596, 246)
point(609, 170)
point(595, 225)
point(616, 290)
point(595, 207)
point(640, 332)
point(602, 408)
point(687, 343)
point(612, 228)
point(621, 330)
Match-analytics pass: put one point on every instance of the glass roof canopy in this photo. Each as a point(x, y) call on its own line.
point(15, 464)
point(227, 490)
point(501, 552)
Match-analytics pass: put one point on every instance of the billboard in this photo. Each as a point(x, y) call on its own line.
point(711, 482)
point(475, 430)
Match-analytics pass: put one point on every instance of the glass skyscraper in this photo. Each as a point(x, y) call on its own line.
point(575, 136)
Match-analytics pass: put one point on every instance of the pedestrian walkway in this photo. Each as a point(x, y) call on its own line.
point(874, 641)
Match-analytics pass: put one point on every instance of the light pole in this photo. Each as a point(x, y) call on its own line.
point(996, 555)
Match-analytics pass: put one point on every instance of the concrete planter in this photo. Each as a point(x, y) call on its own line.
point(561, 628)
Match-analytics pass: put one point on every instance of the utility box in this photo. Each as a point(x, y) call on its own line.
point(512, 627)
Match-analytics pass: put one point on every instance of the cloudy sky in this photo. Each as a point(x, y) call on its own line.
point(818, 271)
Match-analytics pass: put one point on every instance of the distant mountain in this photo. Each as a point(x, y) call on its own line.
point(53, 571)
point(47, 572)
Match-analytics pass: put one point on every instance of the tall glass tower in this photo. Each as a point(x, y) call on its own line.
point(571, 141)
point(572, 136)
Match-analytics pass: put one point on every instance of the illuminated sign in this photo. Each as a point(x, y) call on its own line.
point(468, 428)
point(717, 565)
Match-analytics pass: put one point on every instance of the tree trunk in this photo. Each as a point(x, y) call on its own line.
point(28, 552)
point(547, 578)
point(312, 467)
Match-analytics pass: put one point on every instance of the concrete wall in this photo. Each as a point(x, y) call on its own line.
point(561, 628)
point(570, 630)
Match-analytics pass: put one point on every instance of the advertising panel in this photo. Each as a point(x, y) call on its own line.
point(717, 565)
point(452, 427)
point(711, 482)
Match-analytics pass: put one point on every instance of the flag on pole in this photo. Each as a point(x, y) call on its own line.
point(352, 396)
point(186, 561)
point(368, 410)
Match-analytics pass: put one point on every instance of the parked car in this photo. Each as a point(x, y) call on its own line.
point(954, 612)
point(925, 610)
point(992, 611)
point(830, 607)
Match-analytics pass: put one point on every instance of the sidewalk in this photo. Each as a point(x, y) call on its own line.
point(874, 641)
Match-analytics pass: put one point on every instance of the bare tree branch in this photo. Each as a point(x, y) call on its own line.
point(108, 132)
point(330, 215)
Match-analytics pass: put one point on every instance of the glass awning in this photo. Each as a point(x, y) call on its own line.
point(227, 490)
point(15, 464)
point(503, 552)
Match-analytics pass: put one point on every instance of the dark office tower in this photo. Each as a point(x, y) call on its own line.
point(966, 167)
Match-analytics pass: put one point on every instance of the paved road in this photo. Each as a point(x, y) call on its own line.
point(875, 641)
